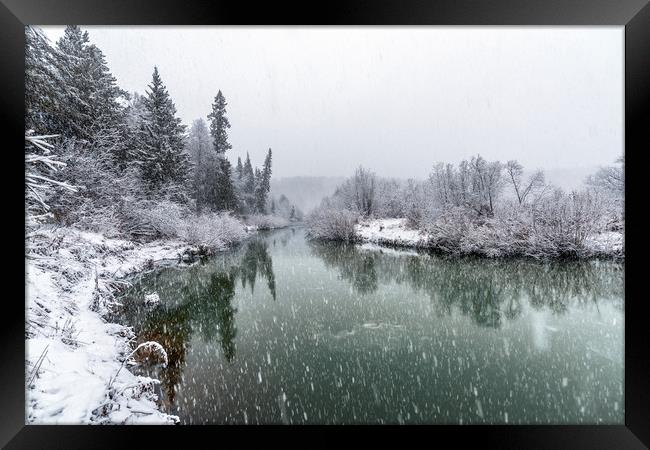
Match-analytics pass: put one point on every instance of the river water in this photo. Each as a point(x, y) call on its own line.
point(283, 330)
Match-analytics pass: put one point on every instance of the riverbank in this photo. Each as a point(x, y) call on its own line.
point(397, 232)
point(73, 355)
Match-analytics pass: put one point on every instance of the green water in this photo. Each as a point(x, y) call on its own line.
point(282, 330)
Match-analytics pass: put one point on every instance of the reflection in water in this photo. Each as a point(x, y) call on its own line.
point(204, 307)
point(220, 293)
point(367, 336)
point(486, 290)
point(256, 260)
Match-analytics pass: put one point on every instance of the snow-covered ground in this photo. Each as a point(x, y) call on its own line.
point(73, 354)
point(390, 232)
point(396, 232)
point(606, 243)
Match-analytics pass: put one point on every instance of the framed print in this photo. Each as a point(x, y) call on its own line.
point(386, 218)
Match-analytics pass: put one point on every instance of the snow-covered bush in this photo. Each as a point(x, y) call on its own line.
point(146, 219)
point(331, 224)
point(417, 205)
point(558, 226)
point(563, 222)
point(212, 230)
point(449, 229)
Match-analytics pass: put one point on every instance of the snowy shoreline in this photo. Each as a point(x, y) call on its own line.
point(72, 352)
point(397, 233)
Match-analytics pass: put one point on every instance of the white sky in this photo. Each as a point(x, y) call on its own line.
point(395, 99)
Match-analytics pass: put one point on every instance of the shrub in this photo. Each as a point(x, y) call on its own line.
point(147, 219)
point(331, 224)
point(212, 230)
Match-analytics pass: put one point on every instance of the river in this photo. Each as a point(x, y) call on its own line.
point(284, 330)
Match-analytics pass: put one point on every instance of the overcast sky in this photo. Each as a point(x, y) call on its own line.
point(395, 99)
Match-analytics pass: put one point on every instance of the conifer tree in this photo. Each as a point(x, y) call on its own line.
point(224, 191)
point(225, 198)
point(89, 108)
point(249, 176)
point(199, 147)
point(219, 124)
point(162, 159)
point(42, 84)
point(134, 117)
point(239, 171)
point(263, 185)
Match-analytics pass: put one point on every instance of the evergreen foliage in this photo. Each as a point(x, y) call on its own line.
point(161, 138)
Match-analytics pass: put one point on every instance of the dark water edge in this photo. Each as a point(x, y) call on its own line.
point(284, 330)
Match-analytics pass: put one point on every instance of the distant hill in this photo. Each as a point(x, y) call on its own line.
point(305, 192)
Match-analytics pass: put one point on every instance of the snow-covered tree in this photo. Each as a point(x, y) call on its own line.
point(91, 104)
point(249, 175)
point(239, 169)
point(161, 138)
point(487, 184)
point(246, 187)
point(134, 119)
point(225, 197)
point(390, 201)
point(358, 193)
point(524, 189)
point(610, 181)
point(263, 185)
point(611, 178)
point(219, 124)
point(199, 147)
point(43, 85)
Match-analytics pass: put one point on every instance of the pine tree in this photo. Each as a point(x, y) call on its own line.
point(258, 176)
point(239, 171)
point(134, 117)
point(249, 176)
point(225, 198)
point(89, 108)
point(162, 159)
point(219, 124)
point(199, 147)
point(224, 191)
point(42, 84)
point(263, 184)
point(246, 187)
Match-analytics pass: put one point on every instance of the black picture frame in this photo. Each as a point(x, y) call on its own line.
point(634, 15)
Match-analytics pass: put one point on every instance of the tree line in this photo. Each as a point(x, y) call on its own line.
point(481, 207)
point(118, 150)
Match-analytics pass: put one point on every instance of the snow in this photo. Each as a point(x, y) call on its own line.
point(606, 243)
point(152, 298)
point(391, 232)
point(75, 352)
point(374, 233)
